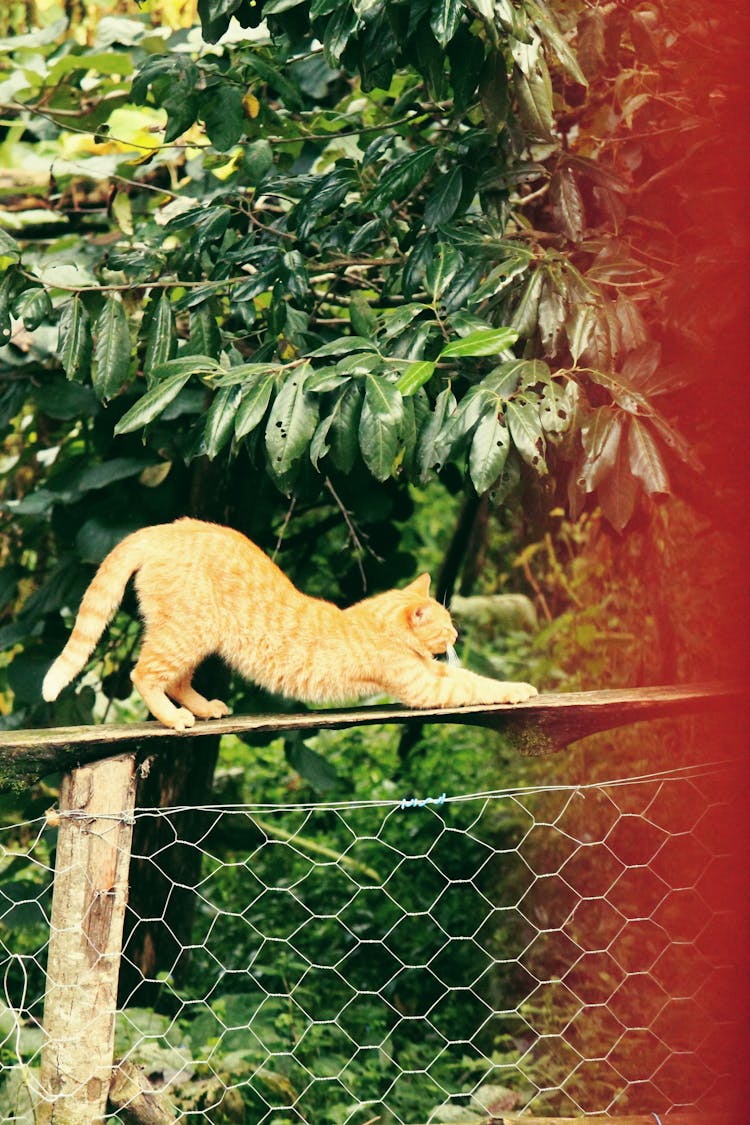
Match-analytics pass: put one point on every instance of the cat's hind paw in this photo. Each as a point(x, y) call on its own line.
point(216, 709)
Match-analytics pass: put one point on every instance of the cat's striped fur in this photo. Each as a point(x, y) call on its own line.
point(207, 589)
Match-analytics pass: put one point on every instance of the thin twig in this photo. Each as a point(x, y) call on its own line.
point(284, 526)
point(359, 546)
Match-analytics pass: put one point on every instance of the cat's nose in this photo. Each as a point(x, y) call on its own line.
point(454, 636)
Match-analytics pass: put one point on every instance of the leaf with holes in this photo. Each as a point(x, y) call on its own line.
point(645, 459)
point(380, 425)
point(427, 452)
point(75, 345)
point(112, 350)
point(489, 451)
point(525, 428)
point(291, 423)
point(557, 409)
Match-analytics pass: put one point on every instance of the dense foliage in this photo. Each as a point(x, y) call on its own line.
point(324, 250)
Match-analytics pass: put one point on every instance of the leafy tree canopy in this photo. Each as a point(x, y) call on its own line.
point(324, 249)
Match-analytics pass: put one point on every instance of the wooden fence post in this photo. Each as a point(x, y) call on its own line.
point(88, 909)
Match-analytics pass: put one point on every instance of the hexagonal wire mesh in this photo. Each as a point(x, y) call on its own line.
point(549, 948)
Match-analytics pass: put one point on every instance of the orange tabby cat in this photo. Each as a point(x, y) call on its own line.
point(207, 589)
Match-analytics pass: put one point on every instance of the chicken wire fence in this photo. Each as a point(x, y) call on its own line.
point(440, 960)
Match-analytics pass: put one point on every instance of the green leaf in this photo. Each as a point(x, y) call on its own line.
point(344, 429)
point(534, 101)
point(160, 341)
point(485, 341)
point(493, 92)
point(224, 115)
point(187, 365)
point(344, 345)
point(220, 420)
point(525, 428)
point(600, 436)
point(150, 405)
point(618, 492)
point(443, 202)
point(554, 37)
point(489, 451)
point(75, 345)
point(32, 306)
point(400, 178)
point(581, 331)
point(415, 376)
point(253, 405)
point(337, 34)
point(462, 422)
point(557, 410)
point(567, 203)
point(325, 379)
point(429, 456)
point(291, 423)
point(633, 331)
point(312, 767)
point(526, 313)
point(112, 350)
point(645, 460)
point(551, 314)
point(379, 425)
point(445, 19)
point(9, 248)
point(205, 338)
point(442, 269)
point(257, 160)
point(287, 90)
point(466, 55)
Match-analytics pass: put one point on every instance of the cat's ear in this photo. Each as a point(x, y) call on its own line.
point(416, 613)
point(420, 586)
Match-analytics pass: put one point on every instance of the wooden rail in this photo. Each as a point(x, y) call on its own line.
point(542, 725)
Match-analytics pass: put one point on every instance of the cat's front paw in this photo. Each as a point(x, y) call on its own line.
point(181, 720)
point(514, 692)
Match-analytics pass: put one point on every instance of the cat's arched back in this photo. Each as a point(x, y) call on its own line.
point(204, 589)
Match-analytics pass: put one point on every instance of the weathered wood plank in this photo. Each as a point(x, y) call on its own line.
point(540, 726)
point(88, 909)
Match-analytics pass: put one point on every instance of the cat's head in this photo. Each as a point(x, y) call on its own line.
point(427, 619)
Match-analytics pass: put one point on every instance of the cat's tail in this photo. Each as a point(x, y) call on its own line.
point(100, 601)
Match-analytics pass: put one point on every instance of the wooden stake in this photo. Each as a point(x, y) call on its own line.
point(88, 909)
